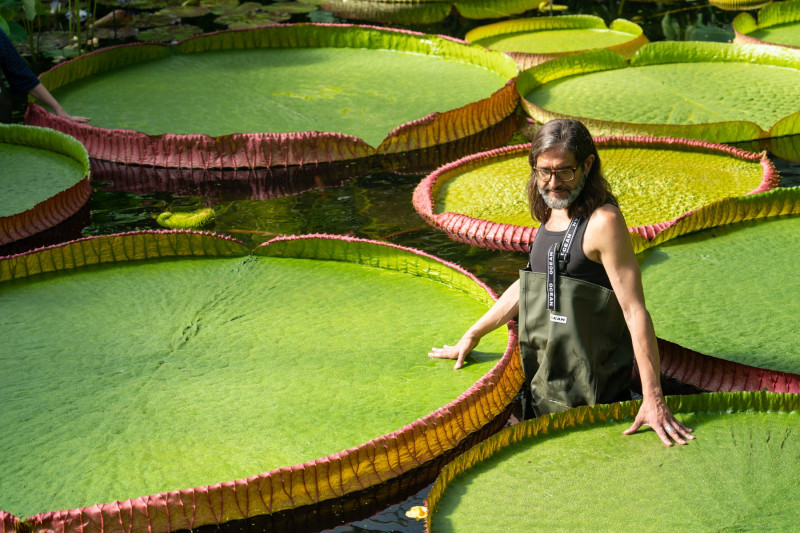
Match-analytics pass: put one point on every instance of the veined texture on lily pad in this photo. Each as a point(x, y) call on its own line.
point(281, 95)
point(730, 293)
point(576, 471)
point(778, 24)
point(665, 91)
point(665, 186)
point(44, 180)
point(536, 40)
point(192, 381)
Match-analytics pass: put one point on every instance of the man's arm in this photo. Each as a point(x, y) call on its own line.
point(41, 93)
point(608, 235)
point(504, 309)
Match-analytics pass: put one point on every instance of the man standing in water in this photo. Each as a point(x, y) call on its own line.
point(580, 300)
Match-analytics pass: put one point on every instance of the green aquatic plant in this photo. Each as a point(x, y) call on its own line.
point(606, 93)
point(45, 179)
point(326, 93)
point(201, 218)
point(755, 258)
point(426, 11)
point(778, 24)
point(664, 186)
point(536, 40)
point(739, 473)
point(185, 360)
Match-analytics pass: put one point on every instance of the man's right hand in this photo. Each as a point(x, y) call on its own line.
point(459, 352)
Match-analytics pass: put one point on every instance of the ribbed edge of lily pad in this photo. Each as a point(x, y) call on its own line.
point(119, 247)
point(497, 236)
point(773, 14)
point(654, 54)
point(739, 5)
point(258, 150)
point(51, 211)
point(722, 403)
point(335, 476)
point(526, 60)
point(718, 375)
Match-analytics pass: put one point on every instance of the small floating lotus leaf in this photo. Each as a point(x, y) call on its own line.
point(481, 199)
point(155, 20)
point(44, 180)
point(185, 12)
point(536, 40)
point(731, 292)
point(778, 23)
point(250, 20)
point(175, 32)
point(665, 91)
point(290, 7)
point(739, 5)
point(169, 360)
point(739, 473)
point(425, 11)
point(326, 93)
point(198, 219)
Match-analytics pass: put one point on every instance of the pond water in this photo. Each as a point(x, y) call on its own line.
point(375, 205)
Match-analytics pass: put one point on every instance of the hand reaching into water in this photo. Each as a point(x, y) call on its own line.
point(459, 352)
point(655, 413)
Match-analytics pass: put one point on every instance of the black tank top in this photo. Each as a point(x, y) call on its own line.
point(579, 266)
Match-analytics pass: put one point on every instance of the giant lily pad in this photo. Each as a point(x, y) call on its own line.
point(730, 292)
point(425, 11)
point(666, 91)
point(536, 40)
point(45, 179)
point(778, 23)
point(280, 95)
point(575, 471)
point(160, 361)
point(482, 200)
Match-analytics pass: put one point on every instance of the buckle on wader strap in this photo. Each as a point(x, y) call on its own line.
point(557, 259)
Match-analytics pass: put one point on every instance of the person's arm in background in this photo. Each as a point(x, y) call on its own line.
point(21, 79)
point(504, 309)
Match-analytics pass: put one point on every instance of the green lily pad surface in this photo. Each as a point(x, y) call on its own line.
point(778, 23)
point(426, 11)
point(730, 292)
point(666, 91)
point(654, 182)
point(44, 179)
point(136, 378)
point(282, 95)
point(535, 40)
point(575, 471)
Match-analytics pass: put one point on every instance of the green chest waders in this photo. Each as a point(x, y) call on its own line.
point(574, 342)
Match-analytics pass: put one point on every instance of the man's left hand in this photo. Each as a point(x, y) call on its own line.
point(655, 413)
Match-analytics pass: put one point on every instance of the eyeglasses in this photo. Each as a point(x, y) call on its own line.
point(562, 174)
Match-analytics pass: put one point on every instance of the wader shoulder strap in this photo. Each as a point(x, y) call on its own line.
point(557, 259)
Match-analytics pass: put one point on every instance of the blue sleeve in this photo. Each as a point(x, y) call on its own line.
point(19, 75)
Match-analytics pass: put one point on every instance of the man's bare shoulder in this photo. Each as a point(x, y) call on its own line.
point(606, 218)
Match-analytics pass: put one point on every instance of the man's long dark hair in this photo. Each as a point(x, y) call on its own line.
point(576, 139)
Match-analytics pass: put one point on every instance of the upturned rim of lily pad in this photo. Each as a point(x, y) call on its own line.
point(724, 403)
point(658, 53)
point(772, 14)
point(284, 489)
point(258, 150)
point(509, 237)
point(50, 211)
point(562, 22)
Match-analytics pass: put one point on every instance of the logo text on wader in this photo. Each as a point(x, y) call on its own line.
point(558, 318)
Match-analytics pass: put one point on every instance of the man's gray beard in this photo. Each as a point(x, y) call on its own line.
point(559, 203)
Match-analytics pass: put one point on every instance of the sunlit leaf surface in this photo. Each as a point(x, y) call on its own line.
point(535, 40)
point(577, 472)
point(666, 90)
point(44, 179)
point(778, 23)
point(654, 183)
point(174, 373)
point(730, 292)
